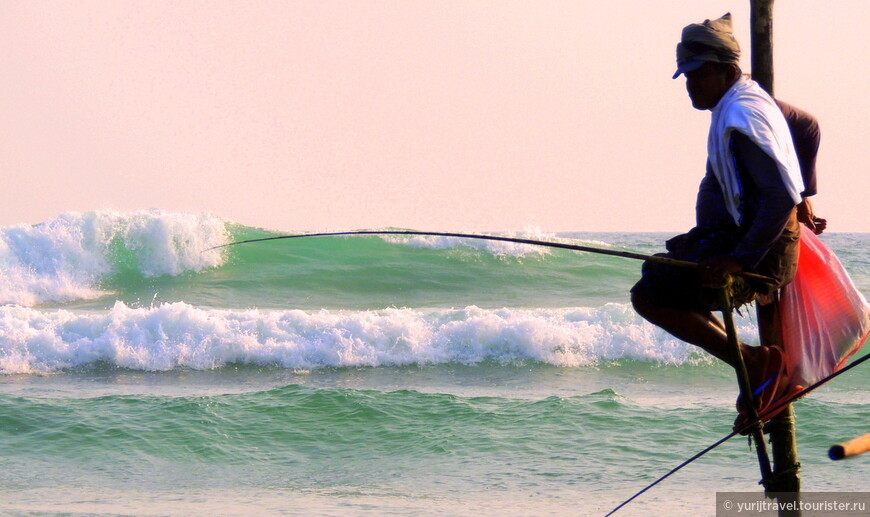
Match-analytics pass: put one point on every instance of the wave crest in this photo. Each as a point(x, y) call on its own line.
point(499, 249)
point(69, 257)
point(179, 335)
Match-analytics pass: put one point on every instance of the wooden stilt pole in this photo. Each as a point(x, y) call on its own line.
point(786, 475)
point(743, 381)
point(786, 480)
point(761, 27)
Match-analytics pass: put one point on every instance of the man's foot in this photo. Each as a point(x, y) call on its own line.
point(769, 382)
point(762, 363)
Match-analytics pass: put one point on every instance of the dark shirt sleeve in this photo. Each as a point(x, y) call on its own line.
point(806, 135)
point(710, 209)
point(772, 205)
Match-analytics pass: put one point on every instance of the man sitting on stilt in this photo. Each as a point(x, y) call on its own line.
point(745, 213)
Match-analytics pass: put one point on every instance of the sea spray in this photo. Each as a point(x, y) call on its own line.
point(181, 336)
point(500, 249)
point(71, 256)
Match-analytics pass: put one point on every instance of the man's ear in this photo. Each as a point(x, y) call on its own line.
point(736, 72)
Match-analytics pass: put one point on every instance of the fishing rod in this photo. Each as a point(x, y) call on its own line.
point(559, 245)
point(748, 425)
point(588, 249)
point(517, 240)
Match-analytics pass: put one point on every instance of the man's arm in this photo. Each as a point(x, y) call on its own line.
point(710, 205)
point(774, 203)
point(806, 136)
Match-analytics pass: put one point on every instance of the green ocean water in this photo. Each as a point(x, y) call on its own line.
point(194, 443)
point(363, 376)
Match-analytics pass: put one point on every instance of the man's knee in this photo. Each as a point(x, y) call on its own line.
point(641, 305)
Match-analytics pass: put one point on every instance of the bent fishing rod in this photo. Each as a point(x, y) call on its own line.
point(559, 245)
point(518, 240)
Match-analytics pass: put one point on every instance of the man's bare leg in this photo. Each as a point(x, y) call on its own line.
point(705, 330)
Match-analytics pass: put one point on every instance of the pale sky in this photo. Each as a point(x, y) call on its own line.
point(432, 115)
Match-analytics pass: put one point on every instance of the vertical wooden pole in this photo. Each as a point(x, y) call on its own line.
point(757, 432)
point(786, 479)
point(761, 27)
point(783, 440)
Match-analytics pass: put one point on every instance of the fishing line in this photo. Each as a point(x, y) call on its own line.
point(518, 240)
point(746, 426)
point(588, 249)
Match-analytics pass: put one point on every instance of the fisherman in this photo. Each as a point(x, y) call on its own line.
point(746, 216)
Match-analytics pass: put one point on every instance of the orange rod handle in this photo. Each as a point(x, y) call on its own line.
point(850, 448)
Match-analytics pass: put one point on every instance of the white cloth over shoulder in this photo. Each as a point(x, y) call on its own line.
point(747, 108)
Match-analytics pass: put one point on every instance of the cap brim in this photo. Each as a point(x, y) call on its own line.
point(688, 66)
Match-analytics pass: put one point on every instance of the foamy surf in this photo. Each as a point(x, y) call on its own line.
point(69, 257)
point(499, 249)
point(178, 335)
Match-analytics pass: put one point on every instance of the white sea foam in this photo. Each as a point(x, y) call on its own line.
point(501, 249)
point(68, 257)
point(179, 335)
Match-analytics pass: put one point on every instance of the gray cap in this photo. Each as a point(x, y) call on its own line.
point(712, 41)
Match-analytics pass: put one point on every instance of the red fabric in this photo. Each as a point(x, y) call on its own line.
point(825, 319)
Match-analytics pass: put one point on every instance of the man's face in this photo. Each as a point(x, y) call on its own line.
point(707, 84)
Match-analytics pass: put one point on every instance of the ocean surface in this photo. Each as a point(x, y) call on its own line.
point(143, 375)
